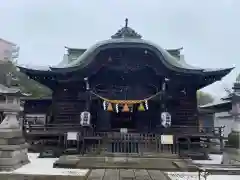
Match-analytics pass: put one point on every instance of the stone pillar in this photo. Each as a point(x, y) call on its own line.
point(13, 148)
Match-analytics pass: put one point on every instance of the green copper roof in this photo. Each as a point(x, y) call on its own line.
point(88, 56)
point(84, 59)
point(74, 53)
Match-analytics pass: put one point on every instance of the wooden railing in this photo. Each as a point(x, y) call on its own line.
point(130, 143)
point(183, 130)
point(90, 141)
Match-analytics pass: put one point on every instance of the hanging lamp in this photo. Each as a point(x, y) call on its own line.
point(125, 108)
point(141, 107)
point(110, 108)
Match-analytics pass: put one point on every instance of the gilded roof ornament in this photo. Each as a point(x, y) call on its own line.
point(126, 32)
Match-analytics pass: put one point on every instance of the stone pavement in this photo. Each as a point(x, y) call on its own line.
point(126, 174)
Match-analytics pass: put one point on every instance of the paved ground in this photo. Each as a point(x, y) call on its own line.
point(41, 169)
point(126, 174)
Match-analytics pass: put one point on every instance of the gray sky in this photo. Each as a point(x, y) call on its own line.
point(209, 30)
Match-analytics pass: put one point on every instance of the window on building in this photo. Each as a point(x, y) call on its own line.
point(2, 98)
point(7, 53)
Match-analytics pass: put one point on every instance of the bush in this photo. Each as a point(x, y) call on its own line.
point(234, 139)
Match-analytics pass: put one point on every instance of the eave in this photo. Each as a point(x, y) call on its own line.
point(11, 91)
point(217, 106)
point(32, 70)
point(35, 98)
point(207, 76)
point(210, 76)
point(218, 72)
point(47, 78)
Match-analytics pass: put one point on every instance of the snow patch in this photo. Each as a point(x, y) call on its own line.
point(44, 166)
point(194, 176)
point(214, 159)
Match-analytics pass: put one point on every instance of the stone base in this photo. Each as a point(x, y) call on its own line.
point(231, 156)
point(10, 133)
point(13, 150)
point(120, 162)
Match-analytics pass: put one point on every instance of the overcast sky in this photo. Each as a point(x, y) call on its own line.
point(208, 30)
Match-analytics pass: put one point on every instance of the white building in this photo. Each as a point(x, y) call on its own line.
point(8, 50)
point(221, 116)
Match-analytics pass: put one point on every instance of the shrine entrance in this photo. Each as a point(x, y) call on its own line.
point(123, 120)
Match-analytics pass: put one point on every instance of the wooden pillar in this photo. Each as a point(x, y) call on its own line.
point(88, 97)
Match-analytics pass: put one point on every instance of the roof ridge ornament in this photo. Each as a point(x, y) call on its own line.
point(126, 32)
point(126, 22)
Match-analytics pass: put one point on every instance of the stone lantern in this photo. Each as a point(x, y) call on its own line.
point(234, 137)
point(13, 148)
point(232, 150)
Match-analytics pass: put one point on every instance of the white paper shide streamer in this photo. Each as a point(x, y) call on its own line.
point(117, 109)
point(104, 105)
point(146, 104)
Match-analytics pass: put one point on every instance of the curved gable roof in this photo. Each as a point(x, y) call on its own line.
point(85, 59)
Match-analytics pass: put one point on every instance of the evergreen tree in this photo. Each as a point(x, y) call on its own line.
point(21, 80)
point(204, 98)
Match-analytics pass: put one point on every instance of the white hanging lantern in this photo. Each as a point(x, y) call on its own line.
point(166, 119)
point(85, 118)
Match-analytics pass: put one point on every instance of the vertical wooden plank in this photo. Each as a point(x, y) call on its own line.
point(158, 175)
point(96, 174)
point(127, 174)
point(141, 174)
point(111, 174)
